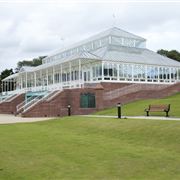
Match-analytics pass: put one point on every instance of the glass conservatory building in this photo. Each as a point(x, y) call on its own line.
point(110, 56)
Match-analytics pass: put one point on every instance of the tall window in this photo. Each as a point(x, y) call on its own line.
point(97, 71)
point(87, 100)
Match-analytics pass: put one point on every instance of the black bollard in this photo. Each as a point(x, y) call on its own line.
point(119, 110)
point(69, 110)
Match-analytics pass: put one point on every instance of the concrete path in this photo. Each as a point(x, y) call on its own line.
point(137, 117)
point(10, 119)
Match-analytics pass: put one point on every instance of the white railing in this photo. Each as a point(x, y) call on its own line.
point(4, 97)
point(51, 87)
point(131, 89)
point(37, 100)
point(17, 91)
point(51, 96)
point(48, 95)
point(32, 101)
point(8, 98)
point(20, 106)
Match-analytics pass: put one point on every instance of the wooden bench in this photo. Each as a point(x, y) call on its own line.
point(158, 108)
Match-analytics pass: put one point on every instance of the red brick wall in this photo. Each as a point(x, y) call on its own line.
point(54, 107)
point(144, 94)
point(10, 107)
point(112, 86)
point(58, 105)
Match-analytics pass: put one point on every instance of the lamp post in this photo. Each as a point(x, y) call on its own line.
point(69, 110)
point(119, 110)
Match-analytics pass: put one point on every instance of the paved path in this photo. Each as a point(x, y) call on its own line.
point(9, 119)
point(136, 117)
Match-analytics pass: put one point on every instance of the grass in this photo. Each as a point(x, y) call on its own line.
point(137, 108)
point(90, 148)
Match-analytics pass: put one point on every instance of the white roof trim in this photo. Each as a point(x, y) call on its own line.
point(109, 32)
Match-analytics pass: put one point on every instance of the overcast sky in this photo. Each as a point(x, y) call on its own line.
point(29, 30)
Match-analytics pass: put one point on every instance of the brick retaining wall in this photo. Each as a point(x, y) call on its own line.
point(104, 93)
point(58, 105)
point(10, 107)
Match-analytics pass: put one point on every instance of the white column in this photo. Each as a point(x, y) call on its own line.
point(134, 43)
point(47, 80)
point(158, 74)
point(10, 85)
point(15, 84)
point(118, 72)
point(100, 43)
point(35, 79)
point(166, 74)
point(110, 41)
point(61, 77)
point(132, 72)
point(176, 74)
point(79, 73)
point(102, 71)
point(41, 78)
point(7, 86)
point(146, 75)
point(91, 74)
point(26, 80)
point(21, 82)
point(53, 76)
point(2, 86)
point(70, 72)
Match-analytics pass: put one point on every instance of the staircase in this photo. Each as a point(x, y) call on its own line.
point(135, 92)
point(33, 101)
point(6, 98)
point(9, 102)
point(132, 89)
point(20, 107)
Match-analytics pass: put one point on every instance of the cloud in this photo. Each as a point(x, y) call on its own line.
point(35, 29)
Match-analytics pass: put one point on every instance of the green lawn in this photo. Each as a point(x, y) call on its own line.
point(90, 148)
point(137, 108)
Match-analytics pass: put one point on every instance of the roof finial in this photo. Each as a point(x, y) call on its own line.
point(114, 20)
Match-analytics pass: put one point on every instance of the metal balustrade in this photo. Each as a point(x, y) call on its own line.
point(38, 99)
point(11, 98)
point(20, 106)
point(32, 101)
point(131, 89)
point(52, 95)
point(7, 98)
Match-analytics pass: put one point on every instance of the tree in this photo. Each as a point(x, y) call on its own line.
point(7, 72)
point(173, 54)
point(34, 62)
point(4, 74)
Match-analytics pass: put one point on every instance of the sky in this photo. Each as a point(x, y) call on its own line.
point(29, 29)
